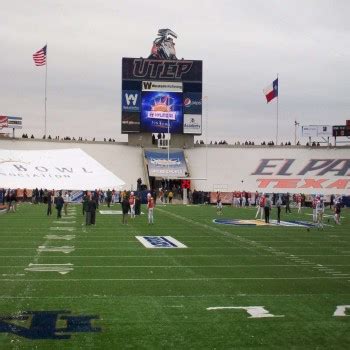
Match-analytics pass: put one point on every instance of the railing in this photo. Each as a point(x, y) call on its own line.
point(163, 143)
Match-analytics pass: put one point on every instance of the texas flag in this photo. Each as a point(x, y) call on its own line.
point(271, 91)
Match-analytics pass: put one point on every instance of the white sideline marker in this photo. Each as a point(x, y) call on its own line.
point(63, 249)
point(69, 229)
point(63, 269)
point(253, 311)
point(65, 237)
point(64, 222)
point(341, 311)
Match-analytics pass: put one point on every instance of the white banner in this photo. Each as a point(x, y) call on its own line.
point(272, 169)
point(161, 86)
point(69, 169)
point(317, 130)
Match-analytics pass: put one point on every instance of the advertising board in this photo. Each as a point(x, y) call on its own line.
point(192, 124)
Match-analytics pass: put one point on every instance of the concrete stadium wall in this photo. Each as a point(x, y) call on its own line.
point(271, 169)
point(225, 168)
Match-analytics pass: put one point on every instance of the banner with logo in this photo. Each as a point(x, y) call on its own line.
point(70, 169)
point(10, 122)
point(130, 122)
point(173, 86)
point(3, 121)
point(317, 130)
point(152, 69)
point(131, 101)
point(160, 165)
point(192, 103)
point(193, 124)
point(307, 170)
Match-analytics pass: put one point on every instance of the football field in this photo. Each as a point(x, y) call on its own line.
point(202, 285)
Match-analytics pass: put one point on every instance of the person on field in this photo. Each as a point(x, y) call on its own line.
point(49, 203)
point(320, 212)
point(91, 208)
point(125, 209)
point(337, 211)
point(218, 203)
point(132, 205)
point(314, 211)
point(66, 201)
point(267, 209)
point(287, 199)
point(59, 201)
point(150, 208)
point(279, 207)
point(137, 205)
point(261, 205)
point(109, 198)
point(85, 202)
point(299, 200)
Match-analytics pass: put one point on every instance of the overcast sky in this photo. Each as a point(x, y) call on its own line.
point(243, 45)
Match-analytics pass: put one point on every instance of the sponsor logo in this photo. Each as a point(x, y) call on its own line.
point(165, 162)
point(192, 102)
point(161, 86)
point(158, 69)
point(44, 324)
point(160, 242)
point(131, 101)
point(239, 222)
point(188, 102)
point(192, 124)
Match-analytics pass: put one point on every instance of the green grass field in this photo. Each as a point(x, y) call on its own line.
point(117, 294)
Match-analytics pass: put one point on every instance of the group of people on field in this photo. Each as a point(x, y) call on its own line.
point(131, 203)
point(263, 203)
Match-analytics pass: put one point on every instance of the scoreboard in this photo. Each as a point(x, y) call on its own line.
point(161, 95)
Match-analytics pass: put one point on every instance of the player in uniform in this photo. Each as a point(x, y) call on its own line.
point(218, 203)
point(337, 210)
point(320, 212)
point(261, 207)
point(299, 198)
point(150, 207)
point(314, 212)
point(132, 205)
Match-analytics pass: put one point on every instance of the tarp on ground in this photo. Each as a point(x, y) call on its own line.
point(69, 169)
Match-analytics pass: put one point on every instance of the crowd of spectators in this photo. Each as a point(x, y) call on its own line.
point(198, 142)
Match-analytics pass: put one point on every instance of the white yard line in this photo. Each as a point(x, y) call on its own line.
point(175, 279)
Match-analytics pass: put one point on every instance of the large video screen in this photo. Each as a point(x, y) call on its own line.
point(155, 92)
point(160, 108)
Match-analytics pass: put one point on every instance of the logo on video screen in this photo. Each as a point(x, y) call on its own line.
point(131, 101)
point(160, 110)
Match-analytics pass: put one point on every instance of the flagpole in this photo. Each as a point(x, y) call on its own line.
point(45, 88)
point(277, 112)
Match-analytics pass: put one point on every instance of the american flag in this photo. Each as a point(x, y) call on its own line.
point(40, 57)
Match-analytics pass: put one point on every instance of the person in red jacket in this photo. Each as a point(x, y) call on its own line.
point(150, 207)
